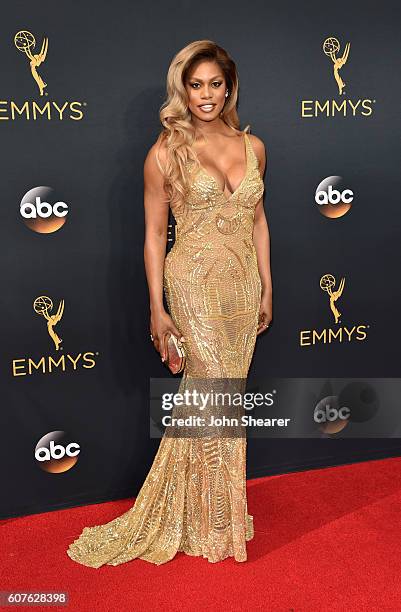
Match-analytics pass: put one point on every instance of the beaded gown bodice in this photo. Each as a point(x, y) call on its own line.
point(213, 261)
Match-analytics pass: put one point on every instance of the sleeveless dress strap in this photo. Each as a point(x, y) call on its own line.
point(244, 131)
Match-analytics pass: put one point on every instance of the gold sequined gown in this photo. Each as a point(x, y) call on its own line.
point(194, 496)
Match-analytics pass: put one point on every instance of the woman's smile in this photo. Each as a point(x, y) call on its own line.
point(207, 107)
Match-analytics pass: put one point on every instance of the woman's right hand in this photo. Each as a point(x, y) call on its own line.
point(161, 324)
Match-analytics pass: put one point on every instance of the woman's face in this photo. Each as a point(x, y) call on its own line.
point(206, 88)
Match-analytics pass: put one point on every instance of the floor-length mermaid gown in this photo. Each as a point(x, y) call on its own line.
point(194, 496)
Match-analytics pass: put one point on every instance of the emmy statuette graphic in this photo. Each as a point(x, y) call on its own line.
point(327, 282)
point(25, 41)
point(42, 305)
point(331, 46)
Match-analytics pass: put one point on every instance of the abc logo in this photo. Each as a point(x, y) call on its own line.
point(333, 196)
point(42, 211)
point(56, 453)
point(330, 417)
point(332, 199)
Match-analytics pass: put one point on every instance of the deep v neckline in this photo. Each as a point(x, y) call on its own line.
point(243, 180)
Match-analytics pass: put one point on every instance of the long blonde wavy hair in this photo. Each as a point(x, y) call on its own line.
point(175, 116)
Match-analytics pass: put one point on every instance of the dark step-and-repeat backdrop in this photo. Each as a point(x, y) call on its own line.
point(81, 88)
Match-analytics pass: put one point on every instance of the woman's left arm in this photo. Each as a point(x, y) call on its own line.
point(261, 240)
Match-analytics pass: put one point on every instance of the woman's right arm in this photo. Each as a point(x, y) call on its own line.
point(156, 204)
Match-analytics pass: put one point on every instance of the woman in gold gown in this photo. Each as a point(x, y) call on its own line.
point(217, 284)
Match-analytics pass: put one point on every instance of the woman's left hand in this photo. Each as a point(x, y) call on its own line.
point(265, 312)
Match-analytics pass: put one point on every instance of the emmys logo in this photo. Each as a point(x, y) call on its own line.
point(331, 46)
point(56, 453)
point(42, 306)
point(308, 337)
point(327, 282)
point(25, 43)
point(39, 214)
point(333, 201)
point(346, 107)
point(47, 364)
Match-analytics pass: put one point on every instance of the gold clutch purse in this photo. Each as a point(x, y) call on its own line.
point(176, 357)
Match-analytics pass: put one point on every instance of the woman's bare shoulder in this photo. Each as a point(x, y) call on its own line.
point(259, 148)
point(257, 143)
point(260, 151)
point(157, 153)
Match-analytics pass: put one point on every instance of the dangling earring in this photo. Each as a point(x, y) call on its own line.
point(226, 95)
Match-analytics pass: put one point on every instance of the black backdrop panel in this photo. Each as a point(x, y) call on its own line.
point(83, 143)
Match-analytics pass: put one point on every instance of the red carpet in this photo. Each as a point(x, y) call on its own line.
point(327, 539)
